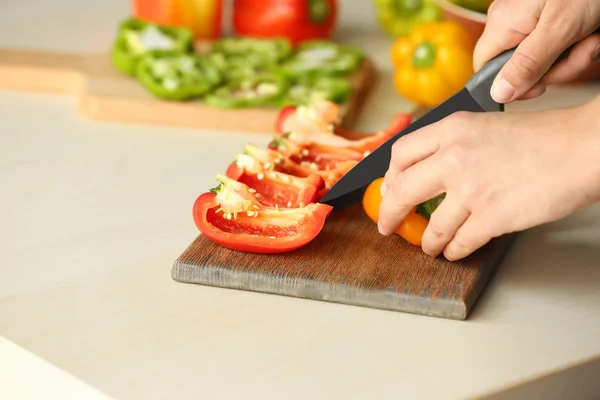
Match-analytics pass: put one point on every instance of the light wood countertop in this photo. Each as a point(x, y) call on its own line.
point(94, 214)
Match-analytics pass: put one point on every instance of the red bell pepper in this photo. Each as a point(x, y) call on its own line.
point(304, 131)
point(232, 217)
point(296, 20)
point(330, 173)
point(274, 188)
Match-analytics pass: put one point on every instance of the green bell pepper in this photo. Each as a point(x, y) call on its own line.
point(323, 58)
point(474, 5)
point(308, 89)
point(255, 91)
point(428, 207)
point(399, 17)
point(136, 37)
point(237, 67)
point(260, 51)
point(177, 76)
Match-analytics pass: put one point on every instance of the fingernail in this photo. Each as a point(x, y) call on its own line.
point(502, 91)
point(596, 55)
point(382, 189)
point(379, 227)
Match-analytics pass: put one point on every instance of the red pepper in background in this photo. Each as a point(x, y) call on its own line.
point(203, 17)
point(296, 20)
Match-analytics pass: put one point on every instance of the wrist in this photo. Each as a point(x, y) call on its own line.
point(586, 121)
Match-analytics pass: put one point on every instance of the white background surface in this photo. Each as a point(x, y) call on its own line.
point(94, 214)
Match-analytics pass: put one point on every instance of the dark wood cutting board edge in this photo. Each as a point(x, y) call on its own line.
point(295, 274)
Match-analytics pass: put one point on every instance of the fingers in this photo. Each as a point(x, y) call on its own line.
point(580, 58)
point(417, 184)
point(444, 223)
point(409, 150)
point(468, 238)
point(508, 23)
point(531, 60)
point(536, 91)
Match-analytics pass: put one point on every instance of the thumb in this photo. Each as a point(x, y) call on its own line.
point(530, 61)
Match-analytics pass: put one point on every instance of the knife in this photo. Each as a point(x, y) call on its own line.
point(474, 97)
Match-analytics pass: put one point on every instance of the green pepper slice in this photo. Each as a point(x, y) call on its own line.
point(262, 51)
point(305, 90)
point(321, 57)
point(177, 76)
point(238, 67)
point(136, 37)
point(256, 91)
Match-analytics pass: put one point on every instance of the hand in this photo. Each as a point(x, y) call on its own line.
point(542, 30)
point(501, 173)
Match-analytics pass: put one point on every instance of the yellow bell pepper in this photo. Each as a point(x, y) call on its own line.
point(433, 63)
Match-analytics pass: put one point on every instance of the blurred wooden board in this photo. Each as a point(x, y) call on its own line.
point(104, 93)
point(351, 263)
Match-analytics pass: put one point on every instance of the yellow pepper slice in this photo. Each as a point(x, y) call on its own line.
point(433, 63)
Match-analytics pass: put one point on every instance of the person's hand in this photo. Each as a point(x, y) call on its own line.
point(501, 173)
point(541, 30)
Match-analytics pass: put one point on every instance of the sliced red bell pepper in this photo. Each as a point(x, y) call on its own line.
point(330, 173)
point(311, 124)
point(284, 113)
point(274, 188)
point(306, 154)
point(231, 217)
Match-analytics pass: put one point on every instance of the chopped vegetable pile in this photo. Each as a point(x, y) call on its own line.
point(236, 72)
point(268, 199)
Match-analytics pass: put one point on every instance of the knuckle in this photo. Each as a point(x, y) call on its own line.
point(454, 127)
point(399, 190)
point(456, 157)
point(523, 68)
point(458, 248)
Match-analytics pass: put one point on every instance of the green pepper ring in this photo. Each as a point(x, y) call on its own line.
point(293, 66)
point(126, 62)
point(221, 97)
point(210, 80)
point(275, 49)
point(336, 89)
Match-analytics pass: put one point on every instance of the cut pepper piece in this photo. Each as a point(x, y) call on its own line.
point(259, 90)
point(307, 153)
point(322, 58)
point(274, 188)
point(305, 131)
point(330, 173)
point(306, 90)
point(270, 51)
point(136, 38)
point(231, 217)
point(175, 76)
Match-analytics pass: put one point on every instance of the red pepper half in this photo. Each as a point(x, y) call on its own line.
point(231, 217)
point(274, 188)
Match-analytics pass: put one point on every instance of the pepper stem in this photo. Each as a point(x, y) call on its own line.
point(424, 55)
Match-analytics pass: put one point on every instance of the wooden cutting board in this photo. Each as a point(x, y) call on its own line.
point(349, 262)
point(104, 93)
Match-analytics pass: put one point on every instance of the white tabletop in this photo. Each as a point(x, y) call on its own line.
point(94, 214)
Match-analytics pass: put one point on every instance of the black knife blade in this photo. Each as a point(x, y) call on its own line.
point(475, 97)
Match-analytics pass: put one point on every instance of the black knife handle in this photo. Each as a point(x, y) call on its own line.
point(480, 84)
